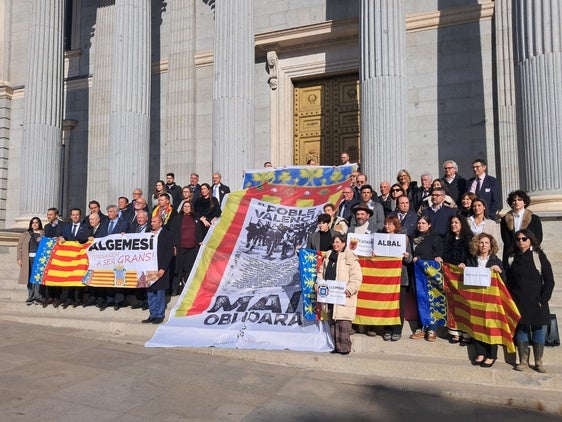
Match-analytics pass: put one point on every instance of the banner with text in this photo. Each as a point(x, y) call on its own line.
point(244, 291)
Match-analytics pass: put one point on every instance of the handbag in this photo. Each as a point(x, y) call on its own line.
point(552, 334)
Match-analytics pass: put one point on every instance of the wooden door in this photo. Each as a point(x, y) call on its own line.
point(326, 120)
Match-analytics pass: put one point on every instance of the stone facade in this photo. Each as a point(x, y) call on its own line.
point(462, 98)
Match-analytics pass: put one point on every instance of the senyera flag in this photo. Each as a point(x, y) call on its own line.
point(378, 300)
point(244, 291)
point(488, 314)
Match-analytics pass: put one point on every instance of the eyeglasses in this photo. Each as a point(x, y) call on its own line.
point(347, 193)
point(448, 168)
point(395, 190)
point(522, 239)
point(437, 194)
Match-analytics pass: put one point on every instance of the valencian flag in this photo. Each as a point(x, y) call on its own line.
point(432, 305)
point(59, 264)
point(378, 301)
point(488, 314)
point(309, 261)
point(298, 176)
point(244, 290)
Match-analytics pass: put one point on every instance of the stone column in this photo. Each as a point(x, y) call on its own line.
point(101, 59)
point(233, 94)
point(507, 104)
point(129, 121)
point(539, 72)
point(6, 93)
point(43, 107)
point(180, 99)
point(68, 126)
point(383, 88)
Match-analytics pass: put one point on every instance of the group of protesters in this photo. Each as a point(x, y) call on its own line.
point(449, 220)
point(180, 217)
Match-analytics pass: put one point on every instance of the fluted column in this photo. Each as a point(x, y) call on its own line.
point(507, 105)
point(180, 119)
point(99, 105)
point(538, 27)
point(129, 122)
point(6, 93)
point(43, 107)
point(233, 94)
point(383, 88)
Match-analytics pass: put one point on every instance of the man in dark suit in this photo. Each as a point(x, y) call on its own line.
point(125, 208)
point(140, 225)
point(53, 228)
point(219, 190)
point(455, 182)
point(95, 208)
point(115, 296)
point(115, 225)
point(195, 186)
point(95, 229)
point(484, 186)
point(439, 213)
point(423, 192)
point(157, 291)
point(345, 210)
point(172, 188)
point(385, 199)
point(71, 231)
point(407, 217)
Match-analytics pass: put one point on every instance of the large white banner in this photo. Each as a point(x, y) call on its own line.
point(256, 302)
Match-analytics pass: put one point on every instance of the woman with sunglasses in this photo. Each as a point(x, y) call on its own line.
point(530, 281)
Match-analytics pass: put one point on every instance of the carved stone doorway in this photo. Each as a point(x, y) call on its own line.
point(326, 120)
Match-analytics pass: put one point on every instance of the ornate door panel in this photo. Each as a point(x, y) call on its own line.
point(326, 120)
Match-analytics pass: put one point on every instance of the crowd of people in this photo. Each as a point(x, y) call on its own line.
point(179, 216)
point(448, 219)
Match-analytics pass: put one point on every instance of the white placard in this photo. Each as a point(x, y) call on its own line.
point(389, 244)
point(475, 276)
point(360, 244)
point(331, 291)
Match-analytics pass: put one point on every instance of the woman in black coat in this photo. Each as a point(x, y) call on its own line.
point(483, 250)
point(518, 201)
point(426, 245)
point(531, 288)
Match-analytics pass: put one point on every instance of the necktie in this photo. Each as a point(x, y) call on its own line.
point(216, 191)
point(111, 226)
point(74, 229)
point(478, 186)
point(140, 229)
point(401, 217)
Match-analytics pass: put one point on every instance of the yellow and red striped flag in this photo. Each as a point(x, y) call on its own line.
point(488, 314)
point(62, 264)
point(378, 301)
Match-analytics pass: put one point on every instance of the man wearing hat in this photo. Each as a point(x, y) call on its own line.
point(362, 224)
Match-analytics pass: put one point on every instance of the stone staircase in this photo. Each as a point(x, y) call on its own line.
point(439, 367)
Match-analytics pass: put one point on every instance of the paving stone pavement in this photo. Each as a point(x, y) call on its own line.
point(62, 374)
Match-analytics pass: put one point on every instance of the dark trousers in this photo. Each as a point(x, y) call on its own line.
point(489, 351)
point(185, 258)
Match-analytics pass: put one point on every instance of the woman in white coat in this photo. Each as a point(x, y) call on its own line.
point(342, 265)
